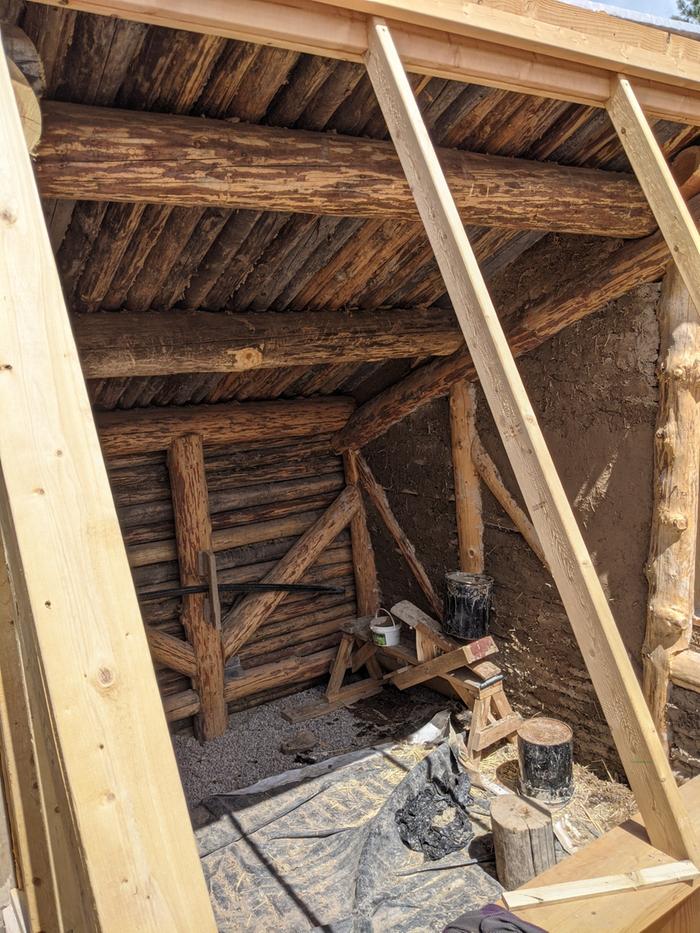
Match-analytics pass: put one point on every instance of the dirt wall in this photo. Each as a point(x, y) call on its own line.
point(594, 390)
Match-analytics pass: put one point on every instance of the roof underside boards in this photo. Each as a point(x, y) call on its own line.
point(139, 257)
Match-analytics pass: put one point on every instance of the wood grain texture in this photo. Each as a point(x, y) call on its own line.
point(77, 610)
point(620, 696)
point(132, 432)
point(523, 840)
point(454, 55)
point(364, 565)
point(470, 526)
point(178, 160)
point(193, 536)
point(657, 182)
point(243, 621)
point(124, 344)
point(671, 565)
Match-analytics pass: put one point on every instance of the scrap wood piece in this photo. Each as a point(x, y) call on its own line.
point(346, 696)
point(245, 618)
point(671, 873)
point(523, 839)
point(363, 655)
point(416, 619)
point(379, 499)
point(443, 664)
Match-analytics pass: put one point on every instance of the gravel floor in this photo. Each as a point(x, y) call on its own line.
point(251, 749)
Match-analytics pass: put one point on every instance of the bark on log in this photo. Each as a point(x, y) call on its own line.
point(671, 566)
point(150, 429)
point(633, 264)
point(193, 534)
point(172, 652)
point(523, 840)
point(119, 344)
point(470, 527)
point(179, 160)
point(242, 622)
point(379, 500)
point(365, 568)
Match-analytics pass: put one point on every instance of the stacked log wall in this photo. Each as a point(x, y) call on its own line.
point(262, 498)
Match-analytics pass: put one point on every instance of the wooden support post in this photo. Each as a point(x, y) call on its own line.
point(76, 615)
point(364, 566)
point(245, 618)
point(674, 530)
point(491, 476)
point(523, 840)
point(193, 535)
point(470, 527)
point(657, 183)
point(621, 698)
point(381, 503)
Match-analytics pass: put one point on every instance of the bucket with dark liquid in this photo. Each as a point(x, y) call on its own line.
point(467, 605)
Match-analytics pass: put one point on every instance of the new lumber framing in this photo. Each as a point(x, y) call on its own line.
point(76, 615)
point(621, 698)
point(180, 160)
point(120, 343)
point(521, 51)
point(194, 538)
point(149, 429)
point(671, 565)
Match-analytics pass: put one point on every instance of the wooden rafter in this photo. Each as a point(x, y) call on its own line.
point(75, 611)
point(574, 62)
point(621, 698)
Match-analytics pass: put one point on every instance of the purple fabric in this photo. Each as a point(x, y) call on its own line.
point(491, 919)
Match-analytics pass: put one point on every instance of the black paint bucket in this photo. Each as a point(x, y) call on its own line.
point(467, 605)
point(545, 753)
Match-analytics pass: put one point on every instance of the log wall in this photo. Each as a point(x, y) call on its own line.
point(261, 500)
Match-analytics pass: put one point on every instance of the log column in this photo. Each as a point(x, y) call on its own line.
point(671, 566)
point(193, 536)
point(470, 527)
point(364, 566)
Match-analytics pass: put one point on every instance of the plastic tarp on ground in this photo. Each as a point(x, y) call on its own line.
point(319, 848)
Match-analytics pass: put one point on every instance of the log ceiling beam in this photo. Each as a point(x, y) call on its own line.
point(99, 153)
point(551, 49)
point(635, 263)
point(119, 344)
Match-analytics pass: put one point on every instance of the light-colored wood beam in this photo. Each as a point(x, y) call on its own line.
point(685, 670)
point(612, 675)
point(665, 89)
point(657, 182)
point(470, 526)
point(77, 615)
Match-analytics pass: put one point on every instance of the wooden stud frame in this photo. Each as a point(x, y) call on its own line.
point(73, 602)
point(667, 822)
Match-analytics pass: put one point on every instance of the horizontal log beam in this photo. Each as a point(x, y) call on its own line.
point(572, 64)
point(635, 263)
point(96, 153)
point(118, 344)
point(151, 429)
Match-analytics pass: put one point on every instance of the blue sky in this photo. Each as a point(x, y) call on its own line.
point(666, 8)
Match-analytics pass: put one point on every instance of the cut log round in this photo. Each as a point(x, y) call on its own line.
point(545, 750)
point(523, 840)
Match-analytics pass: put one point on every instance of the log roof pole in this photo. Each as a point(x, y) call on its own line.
point(666, 818)
point(671, 565)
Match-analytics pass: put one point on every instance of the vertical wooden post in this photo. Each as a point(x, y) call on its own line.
point(470, 527)
point(666, 817)
point(364, 566)
point(193, 535)
point(674, 530)
point(75, 610)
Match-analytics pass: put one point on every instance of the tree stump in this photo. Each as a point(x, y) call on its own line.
point(523, 840)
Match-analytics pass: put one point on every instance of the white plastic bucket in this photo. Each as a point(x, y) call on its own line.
point(385, 632)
